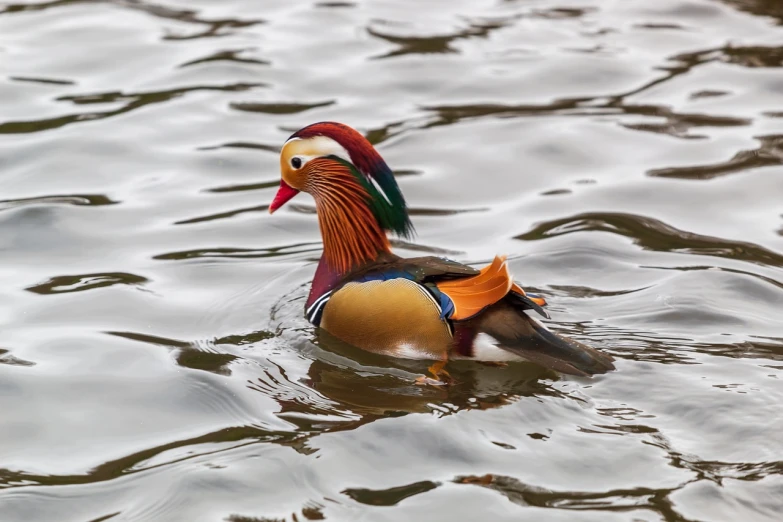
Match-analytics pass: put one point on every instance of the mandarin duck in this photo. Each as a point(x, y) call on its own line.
point(424, 307)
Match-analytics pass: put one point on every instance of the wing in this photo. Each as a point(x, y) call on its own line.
point(419, 269)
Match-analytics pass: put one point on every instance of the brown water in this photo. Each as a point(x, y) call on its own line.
point(154, 362)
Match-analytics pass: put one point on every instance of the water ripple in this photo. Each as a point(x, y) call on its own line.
point(279, 108)
point(130, 101)
point(80, 283)
point(653, 234)
point(90, 200)
point(769, 153)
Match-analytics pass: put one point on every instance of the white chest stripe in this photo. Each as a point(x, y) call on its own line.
point(315, 308)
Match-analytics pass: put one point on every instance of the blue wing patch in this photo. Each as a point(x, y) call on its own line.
point(445, 302)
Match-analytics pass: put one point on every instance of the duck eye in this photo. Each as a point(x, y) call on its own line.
point(296, 162)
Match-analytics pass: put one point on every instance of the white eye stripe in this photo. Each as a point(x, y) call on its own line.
point(320, 146)
point(324, 146)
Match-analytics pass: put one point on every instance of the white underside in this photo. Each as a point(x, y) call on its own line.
point(411, 351)
point(485, 348)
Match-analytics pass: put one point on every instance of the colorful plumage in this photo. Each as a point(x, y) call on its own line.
point(427, 307)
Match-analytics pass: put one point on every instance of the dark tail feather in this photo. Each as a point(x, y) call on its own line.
point(528, 304)
point(519, 334)
point(567, 355)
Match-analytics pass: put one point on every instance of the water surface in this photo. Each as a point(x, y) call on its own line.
point(154, 362)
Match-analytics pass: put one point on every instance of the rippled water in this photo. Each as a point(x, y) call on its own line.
point(154, 362)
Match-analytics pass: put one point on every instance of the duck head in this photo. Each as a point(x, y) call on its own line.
point(356, 196)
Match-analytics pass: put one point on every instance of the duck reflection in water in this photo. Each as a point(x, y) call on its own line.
point(375, 386)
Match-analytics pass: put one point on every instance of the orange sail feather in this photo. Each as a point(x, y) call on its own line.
point(471, 295)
